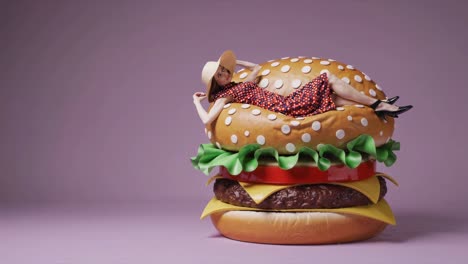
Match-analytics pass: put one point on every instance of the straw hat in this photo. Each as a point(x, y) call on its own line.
point(227, 60)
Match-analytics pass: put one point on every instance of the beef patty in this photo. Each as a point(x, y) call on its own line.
point(310, 196)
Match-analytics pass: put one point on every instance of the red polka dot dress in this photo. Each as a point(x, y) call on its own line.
point(311, 99)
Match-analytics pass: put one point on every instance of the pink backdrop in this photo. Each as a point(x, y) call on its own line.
point(96, 97)
point(96, 101)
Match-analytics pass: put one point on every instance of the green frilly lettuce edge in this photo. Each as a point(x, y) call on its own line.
point(246, 159)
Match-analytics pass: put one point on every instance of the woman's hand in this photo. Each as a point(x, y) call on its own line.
point(255, 68)
point(198, 97)
point(208, 117)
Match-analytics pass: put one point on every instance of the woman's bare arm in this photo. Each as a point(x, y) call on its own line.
point(255, 68)
point(208, 117)
point(246, 64)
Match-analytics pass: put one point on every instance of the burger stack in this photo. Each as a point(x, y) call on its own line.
point(279, 179)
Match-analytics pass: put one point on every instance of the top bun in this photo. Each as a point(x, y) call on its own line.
point(241, 124)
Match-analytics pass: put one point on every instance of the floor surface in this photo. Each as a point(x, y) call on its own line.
point(174, 234)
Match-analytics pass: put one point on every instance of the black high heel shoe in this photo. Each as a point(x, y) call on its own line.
point(383, 113)
point(391, 100)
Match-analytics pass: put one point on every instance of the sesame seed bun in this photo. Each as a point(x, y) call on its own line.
point(233, 128)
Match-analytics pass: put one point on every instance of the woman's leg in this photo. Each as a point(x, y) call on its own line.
point(346, 94)
point(340, 101)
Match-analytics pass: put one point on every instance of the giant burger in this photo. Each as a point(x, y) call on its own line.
point(299, 180)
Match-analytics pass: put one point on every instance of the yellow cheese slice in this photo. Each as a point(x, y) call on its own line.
point(260, 191)
point(380, 211)
point(388, 177)
point(211, 179)
point(370, 187)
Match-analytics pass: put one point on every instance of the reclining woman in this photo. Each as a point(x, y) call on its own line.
point(313, 98)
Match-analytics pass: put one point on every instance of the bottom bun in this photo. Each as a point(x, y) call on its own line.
point(295, 228)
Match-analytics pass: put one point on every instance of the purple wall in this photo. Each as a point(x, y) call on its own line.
point(96, 98)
